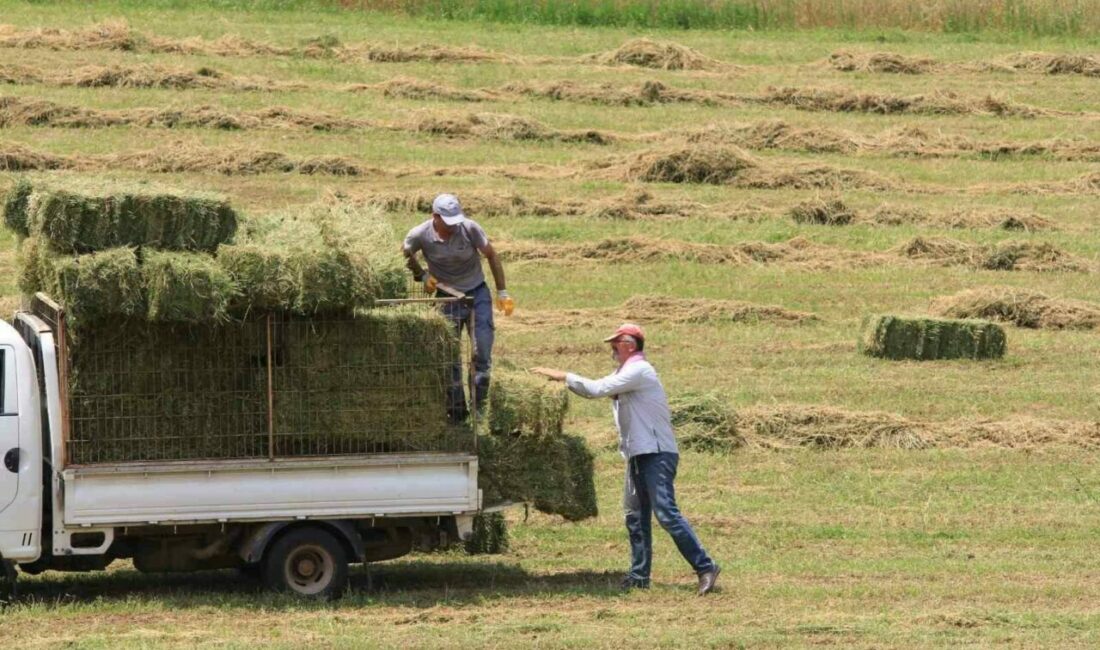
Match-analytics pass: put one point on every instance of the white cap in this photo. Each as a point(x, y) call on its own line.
point(449, 209)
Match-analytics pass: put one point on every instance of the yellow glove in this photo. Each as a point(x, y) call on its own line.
point(430, 284)
point(505, 303)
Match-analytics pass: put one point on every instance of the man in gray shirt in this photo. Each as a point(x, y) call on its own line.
point(647, 442)
point(452, 245)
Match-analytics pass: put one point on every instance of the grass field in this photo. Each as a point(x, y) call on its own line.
point(991, 543)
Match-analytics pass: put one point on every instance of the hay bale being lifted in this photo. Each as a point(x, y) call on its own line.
point(77, 216)
point(920, 338)
point(519, 402)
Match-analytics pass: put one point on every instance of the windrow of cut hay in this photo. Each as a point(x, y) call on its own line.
point(839, 100)
point(922, 339)
point(141, 76)
point(502, 126)
point(709, 422)
point(1020, 307)
point(902, 142)
point(795, 252)
point(20, 111)
point(526, 457)
point(717, 165)
point(835, 212)
point(1004, 256)
point(181, 157)
point(659, 55)
point(892, 62)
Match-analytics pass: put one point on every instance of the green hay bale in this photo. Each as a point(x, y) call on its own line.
point(490, 535)
point(92, 287)
point(555, 473)
point(706, 422)
point(79, 217)
point(329, 258)
point(186, 287)
point(919, 338)
point(15, 207)
point(521, 403)
point(374, 383)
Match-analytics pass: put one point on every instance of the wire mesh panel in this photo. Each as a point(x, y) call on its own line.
point(277, 386)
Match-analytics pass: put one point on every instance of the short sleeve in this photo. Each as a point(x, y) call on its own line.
point(412, 241)
point(477, 234)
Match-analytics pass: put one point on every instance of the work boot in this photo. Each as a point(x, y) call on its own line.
point(630, 583)
point(707, 579)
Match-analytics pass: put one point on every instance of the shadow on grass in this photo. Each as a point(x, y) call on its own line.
point(412, 583)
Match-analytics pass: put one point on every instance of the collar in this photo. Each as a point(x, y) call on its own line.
point(637, 356)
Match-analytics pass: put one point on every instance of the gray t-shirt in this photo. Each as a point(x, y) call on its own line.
point(455, 262)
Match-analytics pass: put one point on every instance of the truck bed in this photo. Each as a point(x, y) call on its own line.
point(266, 490)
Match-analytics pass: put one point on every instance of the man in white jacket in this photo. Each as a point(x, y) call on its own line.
point(647, 442)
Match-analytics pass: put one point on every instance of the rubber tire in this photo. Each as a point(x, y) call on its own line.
point(314, 541)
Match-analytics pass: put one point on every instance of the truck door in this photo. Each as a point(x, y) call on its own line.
point(9, 429)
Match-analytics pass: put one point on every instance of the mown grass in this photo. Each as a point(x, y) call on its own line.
point(864, 548)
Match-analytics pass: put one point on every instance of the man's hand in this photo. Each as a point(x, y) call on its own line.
point(550, 373)
point(505, 303)
point(430, 284)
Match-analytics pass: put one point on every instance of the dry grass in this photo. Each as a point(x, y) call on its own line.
point(832, 212)
point(1001, 219)
point(936, 103)
point(141, 76)
point(1059, 64)
point(881, 62)
point(1006, 256)
point(502, 126)
point(660, 55)
point(1021, 307)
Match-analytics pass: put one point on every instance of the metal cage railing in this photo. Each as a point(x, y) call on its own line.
point(393, 379)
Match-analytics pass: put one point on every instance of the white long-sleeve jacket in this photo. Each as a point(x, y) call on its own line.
point(639, 404)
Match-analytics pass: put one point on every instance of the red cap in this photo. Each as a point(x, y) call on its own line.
point(627, 329)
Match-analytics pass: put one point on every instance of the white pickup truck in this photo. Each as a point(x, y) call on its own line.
point(296, 522)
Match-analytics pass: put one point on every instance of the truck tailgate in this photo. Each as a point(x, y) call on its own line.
point(193, 492)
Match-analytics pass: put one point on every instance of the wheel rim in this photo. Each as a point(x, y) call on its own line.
point(309, 569)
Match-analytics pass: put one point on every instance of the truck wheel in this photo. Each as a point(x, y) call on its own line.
point(308, 562)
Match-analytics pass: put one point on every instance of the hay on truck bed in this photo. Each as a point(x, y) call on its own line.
point(526, 457)
point(922, 338)
point(78, 216)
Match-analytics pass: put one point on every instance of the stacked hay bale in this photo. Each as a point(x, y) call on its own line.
point(527, 457)
point(920, 338)
point(164, 290)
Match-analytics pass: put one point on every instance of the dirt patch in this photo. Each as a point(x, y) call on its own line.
point(888, 62)
point(795, 252)
point(1021, 307)
point(502, 126)
point(1005, 256)
point(709, 423)
point(660, 55)
point(938, 103)
point(18, 111)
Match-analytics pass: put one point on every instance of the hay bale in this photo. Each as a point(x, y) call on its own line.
point(92, 287)
point(554, 473)
point(1020, 307)
point(826, 213)
point(15, 207)
point(523, 404)
point(490, 535)
point(919, 338)
point(79, 217)
point(186, 287)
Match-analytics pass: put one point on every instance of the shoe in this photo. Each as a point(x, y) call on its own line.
point(707, 579)
point(630, 582)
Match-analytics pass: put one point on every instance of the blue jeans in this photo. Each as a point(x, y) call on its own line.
point(649, 491)
point(459, 314)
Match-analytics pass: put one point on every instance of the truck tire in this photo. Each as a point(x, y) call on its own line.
point(309, 562)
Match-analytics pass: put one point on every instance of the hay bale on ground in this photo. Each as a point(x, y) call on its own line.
point(77, 216)
point(919, 338)
point(661, 55)
point(186, 287)
point(1020, 307)
point(521, 403)
point(490, 535)
point(827, 213)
